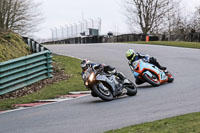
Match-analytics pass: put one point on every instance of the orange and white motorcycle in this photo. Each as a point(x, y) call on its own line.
point(150, 73)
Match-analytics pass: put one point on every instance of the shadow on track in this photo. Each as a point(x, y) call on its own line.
point(100, 101)
point(145, 87)
point(148, 86)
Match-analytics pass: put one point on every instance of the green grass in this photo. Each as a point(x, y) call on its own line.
point(71, 66)
point(171, 43)
point(189, 123)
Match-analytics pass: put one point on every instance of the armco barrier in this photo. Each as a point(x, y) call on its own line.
point(34, 46)
point(20, 72)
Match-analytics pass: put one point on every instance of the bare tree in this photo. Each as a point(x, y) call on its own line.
point(195, 25)
point(21, 16)
point(171, 19)
point(185, 24)
point(147, 14)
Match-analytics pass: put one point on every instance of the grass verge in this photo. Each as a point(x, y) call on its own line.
point(10, 42)
point(71, 66)
point(171, 43)
point(189, 123)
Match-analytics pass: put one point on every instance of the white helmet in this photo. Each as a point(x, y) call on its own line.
point(85, 64)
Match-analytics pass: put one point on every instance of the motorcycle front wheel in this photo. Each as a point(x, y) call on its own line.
point(104, 93)
point(151, 80)
point(93, 94)
point(170, 77)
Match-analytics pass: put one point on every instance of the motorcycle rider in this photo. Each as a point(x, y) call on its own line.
point(85, 64)
point(133, 56)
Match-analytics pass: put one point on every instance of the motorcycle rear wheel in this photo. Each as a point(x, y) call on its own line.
point(107, 96)
point(153, 82)
point(131, 90)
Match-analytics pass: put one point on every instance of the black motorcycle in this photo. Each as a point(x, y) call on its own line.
point(107, 86)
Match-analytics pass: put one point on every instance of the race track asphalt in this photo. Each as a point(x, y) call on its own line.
point(92, 115)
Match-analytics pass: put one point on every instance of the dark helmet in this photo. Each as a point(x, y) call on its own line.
point(85, 64)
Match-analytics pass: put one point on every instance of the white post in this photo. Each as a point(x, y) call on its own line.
point(75, 29)
point(29, 42)
point(86, 27)
point(71, 26)
point(92, 23)
point(51, 34)
point(42, 49)
point(81, 26)
point(62, 32)
point(37, 48)
point(66, 26)
point(99, 27)
point(33, 46)
point(56, 34)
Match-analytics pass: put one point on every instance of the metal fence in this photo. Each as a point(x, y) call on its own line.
point(104, 39)
point(189, 37)
point(34, 46)
point(82, 28)
point(21, 72)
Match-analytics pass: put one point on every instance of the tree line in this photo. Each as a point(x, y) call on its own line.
point(146, 16)
point(21, 16)
point(161, 17)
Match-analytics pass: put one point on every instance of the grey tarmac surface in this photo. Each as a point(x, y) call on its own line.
point(92, 115)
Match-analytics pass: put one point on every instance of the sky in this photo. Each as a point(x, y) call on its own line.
point(57, 13)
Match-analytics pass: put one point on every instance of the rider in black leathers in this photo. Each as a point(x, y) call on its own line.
point(85, 64)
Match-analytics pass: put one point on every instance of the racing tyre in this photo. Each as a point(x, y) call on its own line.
point(170, 77)
point(153, 81)
point(131, 90)
point(103, 92)
point(93, 94)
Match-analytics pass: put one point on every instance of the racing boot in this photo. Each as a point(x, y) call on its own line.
point(112, 70)
point(160, 67)
point(120, 75)
point(155, 62)
point(163, 68)
point(165, 71)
